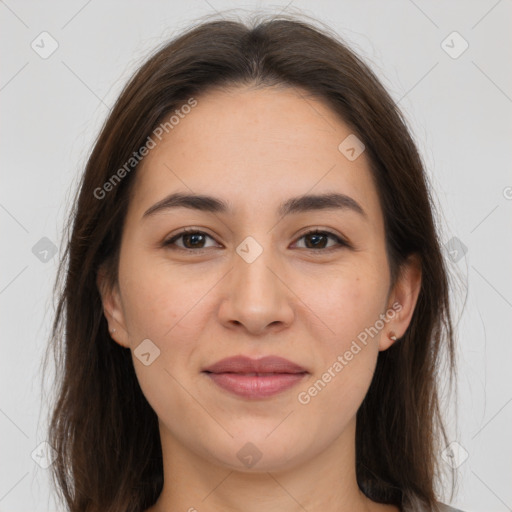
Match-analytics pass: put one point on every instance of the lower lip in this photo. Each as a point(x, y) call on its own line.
point(253, 386)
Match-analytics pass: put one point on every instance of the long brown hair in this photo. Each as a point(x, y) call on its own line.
point(103, 430)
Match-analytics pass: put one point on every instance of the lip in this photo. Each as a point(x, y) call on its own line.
point(255, 378)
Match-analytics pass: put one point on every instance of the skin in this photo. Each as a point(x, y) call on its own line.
point(255, 149)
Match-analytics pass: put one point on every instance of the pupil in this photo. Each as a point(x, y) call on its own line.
point(193, 236)
point(315, 244)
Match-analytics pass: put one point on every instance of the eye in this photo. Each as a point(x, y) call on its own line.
point(193, 239)
point(316, 239)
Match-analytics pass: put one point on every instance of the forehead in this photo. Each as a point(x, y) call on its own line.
point(255, 146)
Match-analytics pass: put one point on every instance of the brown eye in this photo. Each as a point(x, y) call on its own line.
point(192, 239)
point(317, 239)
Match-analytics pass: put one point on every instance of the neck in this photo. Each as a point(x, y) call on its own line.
point(326, 483)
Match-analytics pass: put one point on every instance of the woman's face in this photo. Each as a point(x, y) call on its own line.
point(251, 282)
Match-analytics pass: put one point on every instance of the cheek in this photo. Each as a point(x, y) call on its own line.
point(156, 299)
point(348, 355)
point(171, 308)
point(347, 301)
point(164, 307)
point(350, 306)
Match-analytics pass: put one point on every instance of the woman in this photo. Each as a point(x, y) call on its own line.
point(255, 301)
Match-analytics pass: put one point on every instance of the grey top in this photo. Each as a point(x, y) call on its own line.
point(447, 508)
point(442, 508)
point(417, 507)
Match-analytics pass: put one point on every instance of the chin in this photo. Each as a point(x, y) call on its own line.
point(258, 452)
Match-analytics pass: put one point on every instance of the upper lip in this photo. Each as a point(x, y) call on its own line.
point(244, 364)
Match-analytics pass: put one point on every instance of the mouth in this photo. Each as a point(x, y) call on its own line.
point(255, 378)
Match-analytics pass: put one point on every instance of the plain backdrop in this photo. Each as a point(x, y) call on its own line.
point(447, 64)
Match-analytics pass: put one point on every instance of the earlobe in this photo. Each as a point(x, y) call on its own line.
point(387, 340)
point(402, 301)
point(112, 308)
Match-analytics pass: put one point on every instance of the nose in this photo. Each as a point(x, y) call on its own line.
point(257, 296)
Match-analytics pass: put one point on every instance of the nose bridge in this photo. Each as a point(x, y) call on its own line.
point(256, 296)
point(252, 269)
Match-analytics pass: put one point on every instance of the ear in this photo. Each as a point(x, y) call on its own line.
point(402, 300)
point(112, 307)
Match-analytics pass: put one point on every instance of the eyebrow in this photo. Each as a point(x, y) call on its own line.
point(295, 205)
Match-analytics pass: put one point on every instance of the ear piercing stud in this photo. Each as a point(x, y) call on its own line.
point(112, 331)
point(392, 337)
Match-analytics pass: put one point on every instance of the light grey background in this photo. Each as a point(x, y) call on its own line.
point(459, 110)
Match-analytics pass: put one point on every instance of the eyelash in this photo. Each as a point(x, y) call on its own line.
point(342, 243)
